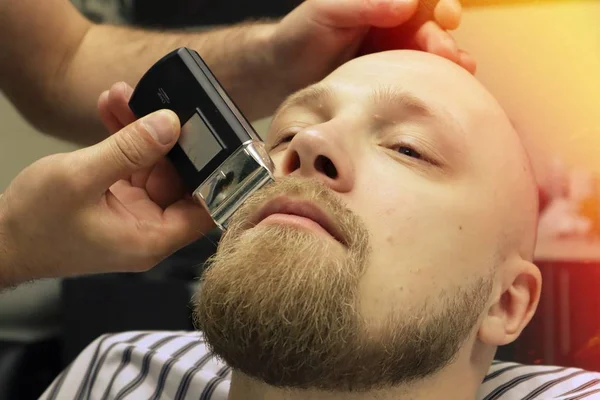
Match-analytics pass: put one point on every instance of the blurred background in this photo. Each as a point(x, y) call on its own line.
point(541, 60)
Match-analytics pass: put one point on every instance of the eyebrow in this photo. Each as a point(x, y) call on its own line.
point(388, 95)
point(399, 99)
point(308, 97)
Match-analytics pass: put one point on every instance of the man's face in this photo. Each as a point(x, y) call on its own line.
point(397, 175)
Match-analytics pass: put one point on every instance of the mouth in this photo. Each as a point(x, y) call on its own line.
point(300, 213)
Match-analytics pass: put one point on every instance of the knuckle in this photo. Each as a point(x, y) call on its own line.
point(129, 147)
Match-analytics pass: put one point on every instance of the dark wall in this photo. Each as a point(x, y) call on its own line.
point(183, 13)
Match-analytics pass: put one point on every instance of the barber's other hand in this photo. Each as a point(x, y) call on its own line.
point(320, 35)
point(427, 30)
point(90, 211)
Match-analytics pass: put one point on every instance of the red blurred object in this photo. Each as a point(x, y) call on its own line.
point(588, 357)
point(380, 39)
point(565, 330)
point(543, 198)
point(400, 37)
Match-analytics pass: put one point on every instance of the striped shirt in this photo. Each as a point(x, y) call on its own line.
point(178, 365)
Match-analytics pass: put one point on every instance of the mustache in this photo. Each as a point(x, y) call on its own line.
point(349, 225)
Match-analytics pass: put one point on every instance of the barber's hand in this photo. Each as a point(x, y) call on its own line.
point(92, 210)
point(320, 35)
point(161, 181)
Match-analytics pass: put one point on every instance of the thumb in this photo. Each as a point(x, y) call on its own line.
point(139, 145)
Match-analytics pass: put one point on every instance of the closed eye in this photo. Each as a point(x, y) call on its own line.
point(409, 152)
point(284, 137)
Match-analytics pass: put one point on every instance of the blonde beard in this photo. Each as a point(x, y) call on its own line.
point(281, 305)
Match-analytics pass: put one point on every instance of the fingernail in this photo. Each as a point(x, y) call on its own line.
point(161, 125)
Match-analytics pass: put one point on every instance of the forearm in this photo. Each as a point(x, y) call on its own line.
point(39, 39)
point(54, 64)
point(107, 54)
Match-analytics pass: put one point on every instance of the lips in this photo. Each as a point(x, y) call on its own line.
point(300, 208)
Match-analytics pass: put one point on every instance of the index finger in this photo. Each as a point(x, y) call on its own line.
point(113, 106)
point(118, 103)
point(110, 121)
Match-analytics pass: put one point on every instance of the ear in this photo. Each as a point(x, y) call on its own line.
point(517, 295)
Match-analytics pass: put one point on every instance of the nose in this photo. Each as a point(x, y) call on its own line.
point(313, 153)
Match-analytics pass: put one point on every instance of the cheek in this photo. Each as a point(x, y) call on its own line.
point(422, 238)
point(398, 212)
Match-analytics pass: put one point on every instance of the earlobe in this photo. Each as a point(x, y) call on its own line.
point(515, 303)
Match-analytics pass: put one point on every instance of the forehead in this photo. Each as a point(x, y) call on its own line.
point(437, 83)
point(410, 80)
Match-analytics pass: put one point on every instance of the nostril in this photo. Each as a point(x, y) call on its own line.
point(325, 166)
point(293, 162)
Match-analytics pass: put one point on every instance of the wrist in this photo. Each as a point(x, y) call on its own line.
point(270, 68)
point(276, 63)
point(243, 58)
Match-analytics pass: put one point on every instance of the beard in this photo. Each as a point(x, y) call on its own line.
point(280, 305)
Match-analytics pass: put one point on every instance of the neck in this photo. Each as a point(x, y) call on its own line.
point(459, 379)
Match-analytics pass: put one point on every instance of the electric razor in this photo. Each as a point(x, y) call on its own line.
point(219, 156)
